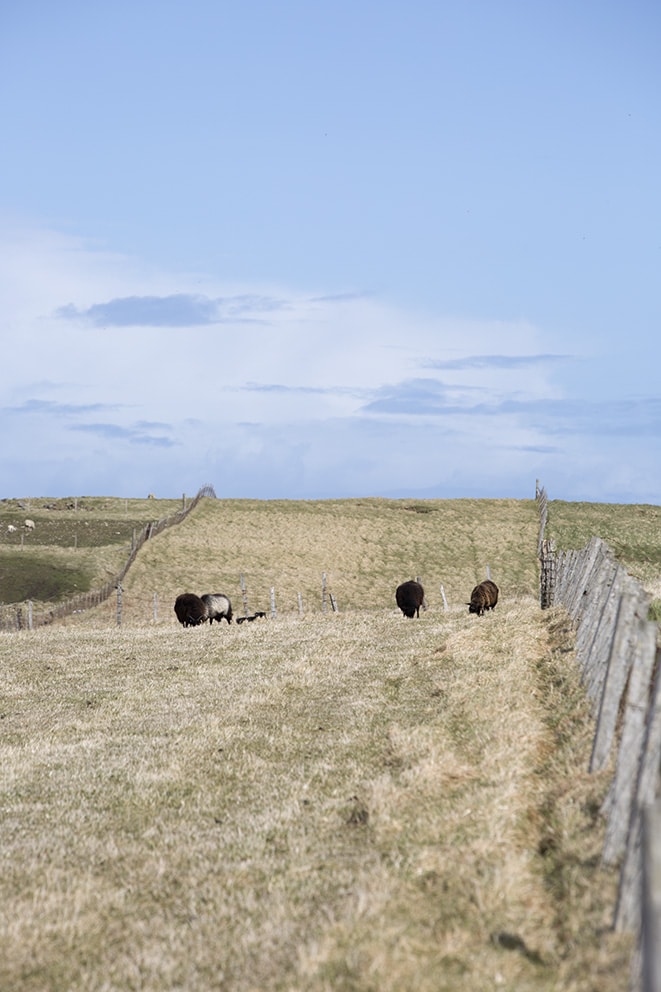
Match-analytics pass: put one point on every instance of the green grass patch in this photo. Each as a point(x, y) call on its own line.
point(40, 577)
point(654, 612)
point(633, 532)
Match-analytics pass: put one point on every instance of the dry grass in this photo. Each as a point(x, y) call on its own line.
point(633, 532)
point(365, 548)
point(344, 802)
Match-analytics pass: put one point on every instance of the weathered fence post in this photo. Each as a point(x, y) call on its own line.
point(29, 614)
point(622, 653)
point(542, 503)
point(323, 592)
point(119, 604)
point(628, 909)
point(547, 575)
point(445, 602)
point(155, 607)
point(273, 602)
point(596, 659)
point(244, 594)
point(300, 604)
point(621, 797)
point(651, 908)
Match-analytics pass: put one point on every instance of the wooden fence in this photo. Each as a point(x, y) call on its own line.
point(618, 657)
point(21, 616)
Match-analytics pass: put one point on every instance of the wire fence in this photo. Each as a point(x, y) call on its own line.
point(21, 616)
point(619, 660)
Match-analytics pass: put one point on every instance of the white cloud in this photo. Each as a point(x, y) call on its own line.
point(130, 380)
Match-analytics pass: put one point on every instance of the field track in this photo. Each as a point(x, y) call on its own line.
point(349, 801)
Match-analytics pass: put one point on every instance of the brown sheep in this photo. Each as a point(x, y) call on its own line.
point(483, 597)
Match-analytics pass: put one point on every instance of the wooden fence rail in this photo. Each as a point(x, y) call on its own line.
point(20, 616)
point(619, 662)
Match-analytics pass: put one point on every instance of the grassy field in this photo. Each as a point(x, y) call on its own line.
point(363, 546)
point(76, 545)
point(345, 801)
point(633, 534)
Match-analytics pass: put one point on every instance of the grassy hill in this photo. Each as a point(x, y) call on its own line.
point(328, 803)
point(365, 547)
point(77, 544)
point(633, 533)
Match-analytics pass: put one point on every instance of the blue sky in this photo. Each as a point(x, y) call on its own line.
point(329, 250)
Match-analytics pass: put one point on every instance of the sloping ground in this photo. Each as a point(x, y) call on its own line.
point(632, 532)
point(76, 544)
point(364, 547)
point(343, 802)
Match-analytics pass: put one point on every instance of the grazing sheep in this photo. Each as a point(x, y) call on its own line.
point(190, 609)
point(410, 597)
point(255, 616)
point(217, 606)
point(483, 597)
point(11, 529)
point(28, 524)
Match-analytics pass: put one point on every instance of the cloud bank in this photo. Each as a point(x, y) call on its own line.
point(276, 392)
point(174, 310)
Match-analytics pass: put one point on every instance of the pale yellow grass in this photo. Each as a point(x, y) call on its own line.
point(349, 802)
point(364, 547)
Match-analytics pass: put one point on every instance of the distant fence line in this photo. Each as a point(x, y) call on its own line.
point(620, 666)
point(326, 595)
point(21, 616)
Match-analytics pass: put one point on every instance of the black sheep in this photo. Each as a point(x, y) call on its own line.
point(410, 597)
point(190, 609)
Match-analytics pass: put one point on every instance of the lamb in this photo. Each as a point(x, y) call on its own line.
point(254, 616)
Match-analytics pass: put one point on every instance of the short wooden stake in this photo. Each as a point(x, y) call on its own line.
point(244, 594)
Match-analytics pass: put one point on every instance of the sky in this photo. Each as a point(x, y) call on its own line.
point(328, 250)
